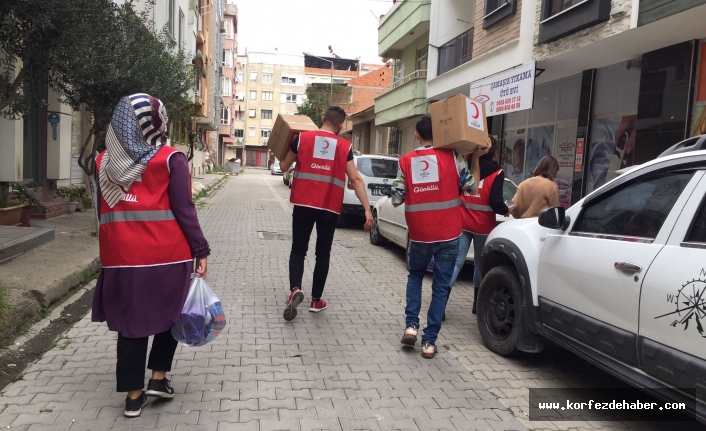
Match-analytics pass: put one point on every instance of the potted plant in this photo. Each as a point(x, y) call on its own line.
point(198, 63)
point(84, 199)
point(25, 194)
point(70, 194)
point(10, 212)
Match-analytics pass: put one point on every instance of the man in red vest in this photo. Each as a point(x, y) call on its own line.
point(323, 161)
point(428, 184)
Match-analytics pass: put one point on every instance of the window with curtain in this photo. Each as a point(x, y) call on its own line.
point(226, 86)
point(227, 58)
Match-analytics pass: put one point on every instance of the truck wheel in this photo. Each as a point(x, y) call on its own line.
point(375, 237)
point(500, 310)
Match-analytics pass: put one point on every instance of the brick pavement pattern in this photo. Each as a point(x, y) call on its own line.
point(342, 369)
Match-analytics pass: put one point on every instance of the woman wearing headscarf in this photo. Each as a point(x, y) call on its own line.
point(149, 237)
point(478, 215)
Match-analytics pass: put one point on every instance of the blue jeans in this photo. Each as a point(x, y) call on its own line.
point(420, 254)
point(464, 243)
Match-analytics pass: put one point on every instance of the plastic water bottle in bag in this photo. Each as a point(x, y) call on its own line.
point(202, 317)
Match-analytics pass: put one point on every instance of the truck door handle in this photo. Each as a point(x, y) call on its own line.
point(628, 267)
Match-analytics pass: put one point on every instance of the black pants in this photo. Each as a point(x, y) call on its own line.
point(132, 354)
point(303, 221)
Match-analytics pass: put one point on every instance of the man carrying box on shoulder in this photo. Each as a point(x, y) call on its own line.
point(428, 183)
point(323, 161)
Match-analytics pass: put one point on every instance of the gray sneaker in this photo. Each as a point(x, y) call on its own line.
point(428, 350)
point(410, 335)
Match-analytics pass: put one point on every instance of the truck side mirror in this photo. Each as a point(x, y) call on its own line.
point(554, 218)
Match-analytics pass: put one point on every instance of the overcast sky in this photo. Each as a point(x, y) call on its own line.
point(293, 26)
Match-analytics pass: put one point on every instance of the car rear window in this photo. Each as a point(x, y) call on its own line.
point(379, 168)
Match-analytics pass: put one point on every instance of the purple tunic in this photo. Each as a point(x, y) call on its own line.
point(139, 302)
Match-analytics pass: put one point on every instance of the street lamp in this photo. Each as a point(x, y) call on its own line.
point(311, 55)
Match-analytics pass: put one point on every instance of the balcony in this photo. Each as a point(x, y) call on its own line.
point(455, 52)
point(405, 22)
point(406, 98)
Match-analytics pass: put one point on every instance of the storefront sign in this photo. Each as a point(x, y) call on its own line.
point(509, 91)
point(578, 166)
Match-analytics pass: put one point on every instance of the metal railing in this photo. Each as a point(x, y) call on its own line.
point(417, 74)
point(456, 52)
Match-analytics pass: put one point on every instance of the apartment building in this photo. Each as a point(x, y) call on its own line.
point(228, 83)
point(268, 84)
point(403, 38)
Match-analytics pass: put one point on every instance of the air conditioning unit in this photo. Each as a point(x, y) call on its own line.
point(239, 140)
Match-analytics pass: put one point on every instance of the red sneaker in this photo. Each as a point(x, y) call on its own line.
point(317, 305)
point(295, 298)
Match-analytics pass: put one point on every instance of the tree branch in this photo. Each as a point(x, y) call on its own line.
point(12, 92)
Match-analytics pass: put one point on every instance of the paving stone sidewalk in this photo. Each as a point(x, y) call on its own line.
point(342, 369)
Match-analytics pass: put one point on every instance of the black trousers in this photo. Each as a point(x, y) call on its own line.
point(132, 354)
point(303, 221)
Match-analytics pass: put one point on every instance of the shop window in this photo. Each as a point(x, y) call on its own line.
point(569, 98)
point(544, 107)
point(516, 119)
point(560, 18)
point(637, 210)
point(617, 89)
point(497, 10)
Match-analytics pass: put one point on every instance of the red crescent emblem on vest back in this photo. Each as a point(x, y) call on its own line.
point(328, 144)
point(426, 165)
point(477, 110)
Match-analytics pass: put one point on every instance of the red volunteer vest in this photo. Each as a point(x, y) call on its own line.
point(476, 213)
point(320, 171)
point(432, 206)
point(141, 230)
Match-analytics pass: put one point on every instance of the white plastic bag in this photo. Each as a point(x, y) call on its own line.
point(202, 317)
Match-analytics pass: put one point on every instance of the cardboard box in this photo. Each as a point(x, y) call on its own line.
point(459, 123)
point(284, 130)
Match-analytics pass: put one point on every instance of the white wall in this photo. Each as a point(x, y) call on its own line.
point(59, 140)
point(11, 145)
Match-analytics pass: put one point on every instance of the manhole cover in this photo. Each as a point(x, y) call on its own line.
point(274, 236)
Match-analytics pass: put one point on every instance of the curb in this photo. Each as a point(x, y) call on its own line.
point(55, 314)
point(26, 307)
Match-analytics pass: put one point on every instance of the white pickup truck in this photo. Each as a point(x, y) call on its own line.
point(619, 278)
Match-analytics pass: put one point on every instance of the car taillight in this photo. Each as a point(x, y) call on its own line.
point(350, 185)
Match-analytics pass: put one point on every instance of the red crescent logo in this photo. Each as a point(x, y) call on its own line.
point(328, 144)
point(426, 165)
point(477, 111)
